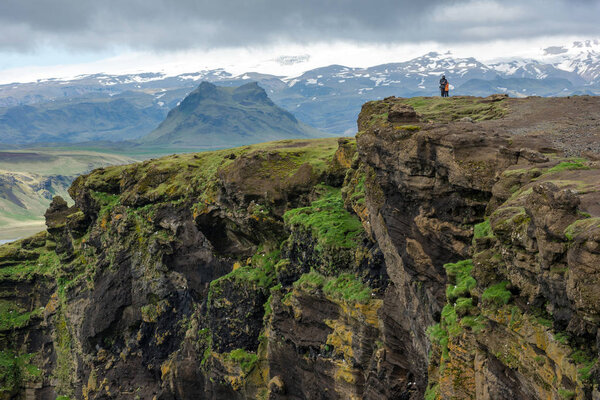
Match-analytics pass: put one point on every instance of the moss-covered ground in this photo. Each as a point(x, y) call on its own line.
point(174, 177)
point(14, 369)
point(580, 226)
point(12, 316)
point(345, 287)
point(496, 294)
point(244, 359)
point(569, 165)
point(482, 230)
point(438, 109)
point(259, 273)
point(459, 313)
point(44, 263)
point(331, 224)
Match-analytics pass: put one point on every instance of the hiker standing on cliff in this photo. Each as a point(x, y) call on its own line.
point(444, 86)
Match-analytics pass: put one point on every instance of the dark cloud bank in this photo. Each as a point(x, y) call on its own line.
point(181, 24)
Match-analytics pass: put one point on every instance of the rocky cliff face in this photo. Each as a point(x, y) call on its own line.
point(451, 251)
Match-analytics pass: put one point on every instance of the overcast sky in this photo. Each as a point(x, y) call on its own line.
point(36, 33)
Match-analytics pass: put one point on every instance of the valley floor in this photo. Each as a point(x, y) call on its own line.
point(17, 232)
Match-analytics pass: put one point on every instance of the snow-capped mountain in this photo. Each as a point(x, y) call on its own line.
point(420, 74)
point(328, 98)
point(533, 69)
point(582, 58)
point(578, 62)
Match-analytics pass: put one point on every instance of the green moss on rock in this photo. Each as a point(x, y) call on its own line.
point(15, 369)
point(346, 287)
point(14, 317)
point(454, 108)
point(245, 359)
point(328, 220)
point(310, 282)
point(497, 294)
point(566, 394)
point(573, 164)
point(64, 355)
point(482, 230)
point(183, 175)
point(581, 226)
point(461, 281)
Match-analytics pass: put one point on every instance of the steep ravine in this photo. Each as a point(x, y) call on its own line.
point(452, 252)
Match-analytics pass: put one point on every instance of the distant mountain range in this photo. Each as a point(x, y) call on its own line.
point(209, 117)
point(215, 116)
point(125, 107)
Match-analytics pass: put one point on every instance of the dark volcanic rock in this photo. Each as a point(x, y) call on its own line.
point(449, 254)
point(402, 113)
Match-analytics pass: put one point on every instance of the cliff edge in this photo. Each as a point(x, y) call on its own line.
point(450, 251)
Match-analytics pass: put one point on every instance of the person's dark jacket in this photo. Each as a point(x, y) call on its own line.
point(443, 83)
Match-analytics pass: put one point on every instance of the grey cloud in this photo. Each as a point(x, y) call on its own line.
point(180, 24)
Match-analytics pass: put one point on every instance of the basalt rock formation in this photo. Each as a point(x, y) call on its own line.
point(450, 251)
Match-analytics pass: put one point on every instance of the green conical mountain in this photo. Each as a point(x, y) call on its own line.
point(215, 116)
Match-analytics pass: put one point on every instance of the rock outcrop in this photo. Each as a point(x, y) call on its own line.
point(449, 252)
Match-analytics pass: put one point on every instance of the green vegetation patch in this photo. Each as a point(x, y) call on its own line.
point(432, 391)
point(205, 342)
point(581, 226)
point(310, 282)
point(377, 119)
point(346, 287)
point(508, 221)
point(586, 362)
point(410, 128)
point(14, 317)
point(64, 371)
point(328, 220)
point(450, 318)
point(438, 109)
point(259, 274)
point(244, 359)
point(463, 305)
point(461, 281)
point(107, 202)
point(261, 270)
point(569, 165)
point(267, 306)
point(439, 334)
point(458, 314)
point(183, 175)
point(482, 230)
point(41, 263)
point(562, 338)
point(544, 322)
point(14, 370)
point(566, 394)
point(13, 251)
point(356, 191)
point(497, 294)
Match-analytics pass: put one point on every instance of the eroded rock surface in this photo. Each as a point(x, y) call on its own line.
point(451, 251)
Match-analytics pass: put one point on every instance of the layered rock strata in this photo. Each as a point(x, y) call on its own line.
point(451, 251)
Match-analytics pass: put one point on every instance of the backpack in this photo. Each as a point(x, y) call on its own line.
point(447, 87)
